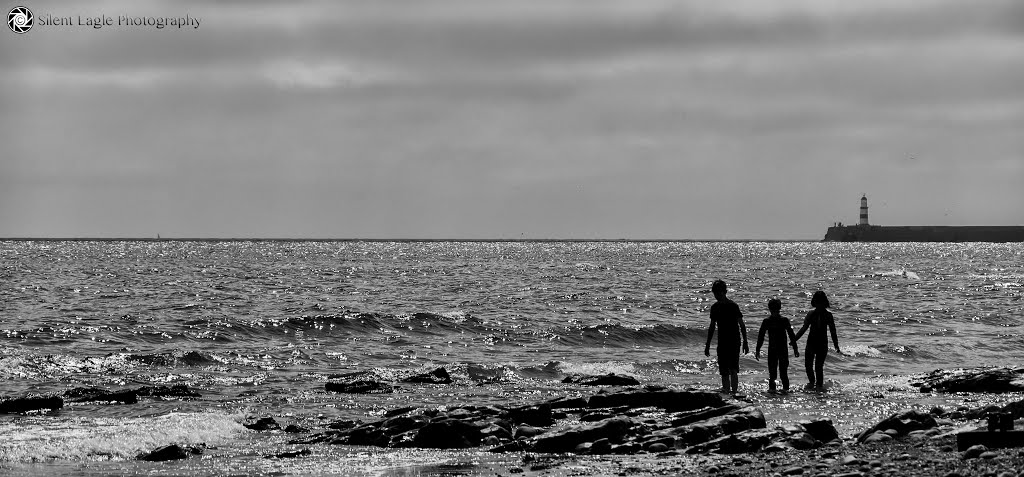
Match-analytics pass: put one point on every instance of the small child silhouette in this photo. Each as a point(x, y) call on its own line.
point(776, 327)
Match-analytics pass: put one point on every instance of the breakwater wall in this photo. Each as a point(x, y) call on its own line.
point(924, 233)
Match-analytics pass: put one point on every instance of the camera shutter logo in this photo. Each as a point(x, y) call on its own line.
point(20, 20)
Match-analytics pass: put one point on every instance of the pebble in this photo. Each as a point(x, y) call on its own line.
point(849, 474)
point(953, 473)
point(875, 463)
point(988, 455)
point(904, 457)
point(793, 471)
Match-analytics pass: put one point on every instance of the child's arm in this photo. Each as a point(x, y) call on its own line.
point(792, 339)
point(807, 322)
point(711, 333)
point(832, 328)
point(743, 333)
point(760, 339)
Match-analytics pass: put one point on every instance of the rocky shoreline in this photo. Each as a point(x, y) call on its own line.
point(629, 429)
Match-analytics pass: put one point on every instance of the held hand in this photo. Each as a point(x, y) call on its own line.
point(796, 351)
point(707, 351)
point(746, 350)
point(757, 356)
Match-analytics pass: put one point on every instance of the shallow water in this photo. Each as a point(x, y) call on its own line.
point(257, 327)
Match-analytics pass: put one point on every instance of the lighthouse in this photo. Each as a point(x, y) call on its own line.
point(864, 210)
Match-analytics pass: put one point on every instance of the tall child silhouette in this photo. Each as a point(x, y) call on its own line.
point(726, 315)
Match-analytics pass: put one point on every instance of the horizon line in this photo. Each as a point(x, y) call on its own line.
point(293, 239)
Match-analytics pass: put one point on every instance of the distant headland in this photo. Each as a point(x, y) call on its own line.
point(864, 232)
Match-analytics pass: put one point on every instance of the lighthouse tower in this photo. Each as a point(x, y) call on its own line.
point(864, 210)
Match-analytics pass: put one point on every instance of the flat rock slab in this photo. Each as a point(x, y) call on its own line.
point(610, 379)
point(985, 380)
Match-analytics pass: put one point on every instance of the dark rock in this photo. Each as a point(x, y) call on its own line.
point(702, 414)
point(656, 447)
point(403, 424)
point(437, 376)
point(365, 435)
point(710, 429)
point(566, 440)
point(97, 394)
point(1015, 409)
point(901, 423)
point(535, 415)
point(974, 452)
point(399, 411)
point(988, 455)
point(171, 452)
point(751, 440)
point(500, 432)
point(876, 437)
point(290, 455)
point(610, 379)
point(447, 434)
point(264, 424)
point(667, 399)
point(177, 390)
point(359, 387)
point(295, 429)
point(992, 380)
point(821, 430)
point(343, 425)
point(526, 430)
point(30, 403)
point(567, 403)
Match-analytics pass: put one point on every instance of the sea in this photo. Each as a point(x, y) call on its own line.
point(258, 327)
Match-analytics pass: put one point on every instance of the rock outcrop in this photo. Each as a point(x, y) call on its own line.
point(646, 420)
point(987, 380)
point(30, 403)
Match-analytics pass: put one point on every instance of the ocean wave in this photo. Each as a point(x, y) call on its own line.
point(46, 439)
point(625, 336)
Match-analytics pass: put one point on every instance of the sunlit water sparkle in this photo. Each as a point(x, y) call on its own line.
point(259, 326)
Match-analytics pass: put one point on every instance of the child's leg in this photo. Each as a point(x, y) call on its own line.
point(773, 365)
point(784, 374)
point(725, 383)
point(735, 381)
point(809, 365)
point(819, 368)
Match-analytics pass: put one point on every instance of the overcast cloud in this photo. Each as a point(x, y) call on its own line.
point(509, 119)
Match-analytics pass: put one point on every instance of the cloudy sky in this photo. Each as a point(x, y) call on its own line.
point(512, 118)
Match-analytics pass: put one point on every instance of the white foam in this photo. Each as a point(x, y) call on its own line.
point(597, 368)
point(861, 350)
point(48, 439)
